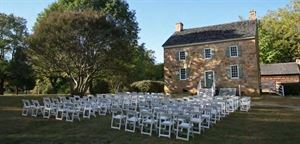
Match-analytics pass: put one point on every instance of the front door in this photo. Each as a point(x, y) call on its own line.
point(209, 78)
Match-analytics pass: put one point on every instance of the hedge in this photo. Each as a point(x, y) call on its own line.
point(147, 86)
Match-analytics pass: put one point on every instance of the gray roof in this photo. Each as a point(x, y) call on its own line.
point(279, 69)
point(241, 29)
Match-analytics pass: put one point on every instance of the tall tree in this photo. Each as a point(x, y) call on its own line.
point(279, 34)
point(12, 34)
point(76, 44)
point(21, 75)
point(117, 12)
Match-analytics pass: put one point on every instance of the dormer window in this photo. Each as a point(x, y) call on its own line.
point(233, 51)
point(182, 55)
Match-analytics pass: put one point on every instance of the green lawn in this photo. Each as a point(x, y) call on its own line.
point(274, 123)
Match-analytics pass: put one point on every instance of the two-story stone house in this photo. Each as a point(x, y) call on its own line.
point(225, 54)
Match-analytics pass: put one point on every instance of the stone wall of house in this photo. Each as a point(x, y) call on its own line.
point(281, 79)
point(219, 63)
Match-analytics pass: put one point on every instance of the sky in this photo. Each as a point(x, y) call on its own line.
point(157, 18)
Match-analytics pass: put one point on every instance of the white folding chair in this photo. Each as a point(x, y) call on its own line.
point(196, 120)
point(117, 118)
point(165, 125)
point(206, 118)
point(48, 108)
point(147, 122)
point(26, 107)
point(131, 120)
point(184, 127)
point(72, 112)
point(60, 112)
point(245, 104)
point(37, 108)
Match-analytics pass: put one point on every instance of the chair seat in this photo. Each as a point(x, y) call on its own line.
point(206, 116)
point(196, 120)
point(118, 117)
point(167, 123)
point(185, 125)
point(149, 121)
point(133, 119)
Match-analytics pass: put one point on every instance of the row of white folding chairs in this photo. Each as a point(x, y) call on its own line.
point(211, 115)
point(64, 109)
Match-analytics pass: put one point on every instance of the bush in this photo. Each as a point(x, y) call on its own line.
point(99, 87)
point(147, 86)
point(291, 88)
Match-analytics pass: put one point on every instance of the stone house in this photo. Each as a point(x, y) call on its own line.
point(281, 72)
point(224, 55)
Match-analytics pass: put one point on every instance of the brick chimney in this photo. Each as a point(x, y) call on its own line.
point(179, 27)
point(252, 15)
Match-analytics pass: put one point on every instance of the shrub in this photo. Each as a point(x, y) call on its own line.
point(99, 86)
point(147, 86)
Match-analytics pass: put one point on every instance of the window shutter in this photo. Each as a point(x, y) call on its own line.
point(241, 73)
point(239, 51)
point(228, 51)
point(188, 72)
point(177, 55)
point(202, 83)
point(228, 70)
point(201, 55)
point(212, 52)
point(178, 74)
point(186, 55)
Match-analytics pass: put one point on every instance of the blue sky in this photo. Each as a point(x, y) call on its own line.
point(157, 18)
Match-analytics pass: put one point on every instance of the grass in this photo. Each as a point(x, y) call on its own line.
point(261, 125)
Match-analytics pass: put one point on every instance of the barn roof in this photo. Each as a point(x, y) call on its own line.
point(241, 29)
point(280, 69)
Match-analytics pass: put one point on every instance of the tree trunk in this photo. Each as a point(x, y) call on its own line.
point(17, 90)
point(2, 86)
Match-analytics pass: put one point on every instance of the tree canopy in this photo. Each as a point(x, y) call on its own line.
point(279, 34)
point(89, 41)
point(75, 44)
point(14, 68)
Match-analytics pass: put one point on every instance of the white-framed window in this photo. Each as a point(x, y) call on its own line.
point(182, 74)
point(207, 53)
point(234, 71)
point(234, 51)
point(182, 55)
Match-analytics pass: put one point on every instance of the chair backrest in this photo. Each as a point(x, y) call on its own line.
point(116, 111)
point(227, 92)
point(146, 115)
point(183, 118)
point(26, 103)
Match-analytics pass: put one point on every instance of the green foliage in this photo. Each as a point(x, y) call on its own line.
point(13, 67)
point(76, 44)
point(122, 60)
point(99, 87)
point(147, 86)
point(279, 34)
point(115, 10)
point(159, 72)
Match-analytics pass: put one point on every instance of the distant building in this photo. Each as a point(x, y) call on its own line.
point(224, 55)
point(281, 72)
